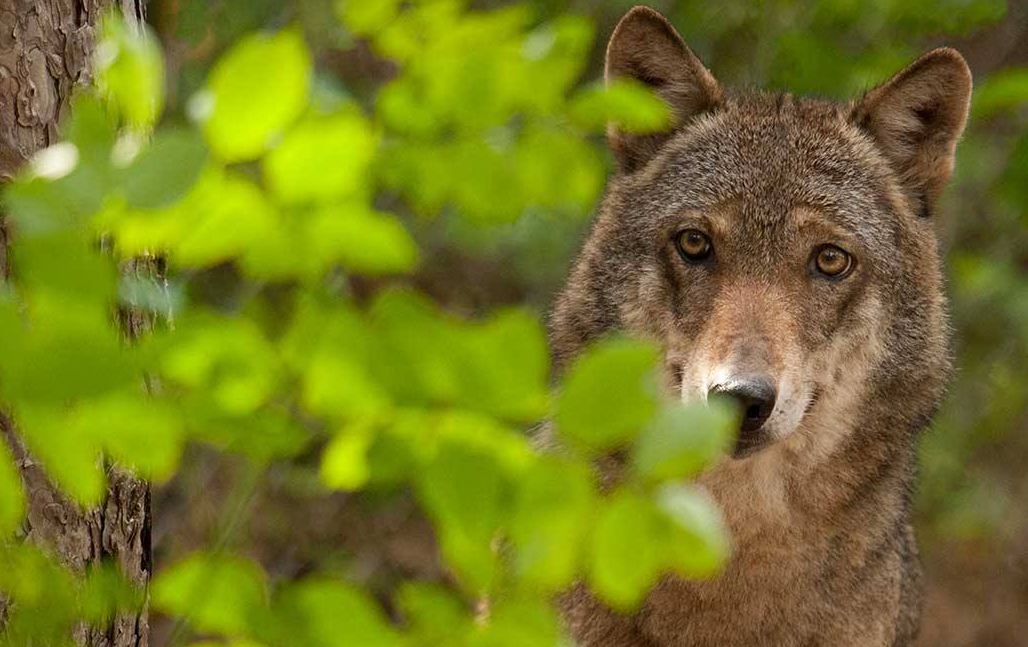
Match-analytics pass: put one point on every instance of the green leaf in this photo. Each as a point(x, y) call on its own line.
point(66, 263)
point(138, 432)
point(432, 615)
point(608, 394)
point(518, 622)
point(105, 592)
point(366, 17)
point(166, 169)
point(258, 88)
point(338, 385)
point(361, 240)
point(553, 510)
point(72, 460)
point(67, 352)
point(626, 550)
point(228, 358)
point(222, 217)
point(43, 593)
point(682, 440)
point(637, 539)
point(1004, 90)
point(698, 543)
point(216, 594)
point(503, 366)
point(319, 612)
point(626, 103)
point(466, 494)
point(12, 497)
point(130, 69)
point(344, 463)
point(322, 159)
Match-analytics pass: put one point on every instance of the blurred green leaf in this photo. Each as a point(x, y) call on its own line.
point(608, 394)
point(366, 17)
point(12, 497)
point(219, 594)
point(626, 550)
point(518, 622)
point(432, 615)
point(1004, 90)
point(166, 169)
point(106, 592)
point(624, 102)
point(467, 495)
point(682, 440)
point(553, 511)
point(636, 539)
point(321, 159)
point(227, 357)
point(258, 88)
point(68, 264)
point(43, 596)
point(139, 433)
point(130, 69)
point(698, 544)
point(319, 612)
point(503, 366)
point(361, 240)
point(344, 463)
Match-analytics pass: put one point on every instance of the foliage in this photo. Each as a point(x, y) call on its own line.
point(391, 389)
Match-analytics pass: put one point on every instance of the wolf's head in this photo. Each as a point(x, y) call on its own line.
point(780, 250)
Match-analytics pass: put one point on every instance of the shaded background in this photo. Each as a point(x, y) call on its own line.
point(973, 500)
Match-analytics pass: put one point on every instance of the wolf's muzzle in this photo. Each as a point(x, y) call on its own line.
point(756, 398)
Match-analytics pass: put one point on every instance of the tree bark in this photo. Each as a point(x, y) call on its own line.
point(45, 47)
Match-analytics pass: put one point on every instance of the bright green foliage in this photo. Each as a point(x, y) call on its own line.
point(392, 390)
point(609, 394)
point(232, 589)
point(637, 538)
point(552, 516)
point(1002, 91)
point(624, 102)
point(12, 499)
point(344, 463)
point(165, 170)
point(319, 612)
point(257, 90)
point(322, 159)
point(681, 441)
point(467, 493)
point(130, 71)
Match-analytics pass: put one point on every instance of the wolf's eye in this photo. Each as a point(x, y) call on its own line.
point(832, 261)
point(693, 245)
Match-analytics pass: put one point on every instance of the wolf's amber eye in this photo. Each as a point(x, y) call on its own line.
point(833, 261)
point(693, 245)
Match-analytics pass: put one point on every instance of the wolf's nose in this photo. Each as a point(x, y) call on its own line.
point(755, 395)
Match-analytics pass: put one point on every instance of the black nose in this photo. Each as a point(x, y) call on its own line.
point(755, 395)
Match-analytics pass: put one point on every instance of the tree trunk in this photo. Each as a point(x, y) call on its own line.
point(44, 53)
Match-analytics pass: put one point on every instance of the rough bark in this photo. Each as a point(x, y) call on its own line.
point(44, 54)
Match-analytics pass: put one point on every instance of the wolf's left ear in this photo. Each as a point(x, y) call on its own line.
point(916, 119)
point(646, 47)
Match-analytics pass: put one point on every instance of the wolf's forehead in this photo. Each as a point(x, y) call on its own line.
point(770, 162)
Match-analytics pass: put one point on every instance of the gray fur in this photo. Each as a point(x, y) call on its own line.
point(823, 551)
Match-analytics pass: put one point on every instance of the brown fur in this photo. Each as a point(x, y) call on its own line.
point(820, 517)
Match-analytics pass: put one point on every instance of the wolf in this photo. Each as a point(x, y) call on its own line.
point(781, 251)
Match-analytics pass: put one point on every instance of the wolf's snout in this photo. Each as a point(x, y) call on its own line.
point(756, 398)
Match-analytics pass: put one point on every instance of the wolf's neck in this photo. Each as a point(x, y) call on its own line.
point(857, 477)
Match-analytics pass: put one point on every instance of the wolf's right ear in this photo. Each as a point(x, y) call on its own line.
point(916, 119)
point(646, 47)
